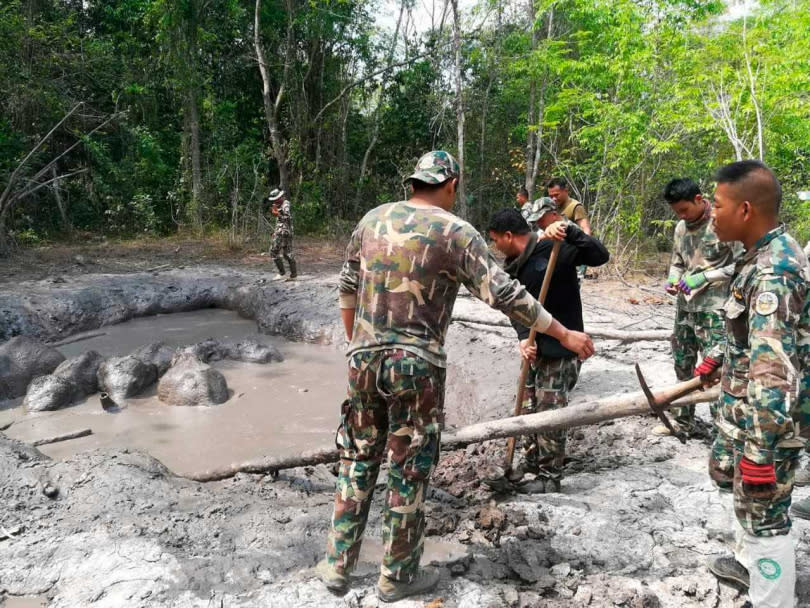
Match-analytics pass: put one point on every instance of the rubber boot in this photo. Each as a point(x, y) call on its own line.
point(392, 591)
point(771, 564)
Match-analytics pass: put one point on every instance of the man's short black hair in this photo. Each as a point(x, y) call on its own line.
point(680, 189)
point(508, 220)
point(755, 182)
point(559, 182)
point(420, 186)
point(523, 192)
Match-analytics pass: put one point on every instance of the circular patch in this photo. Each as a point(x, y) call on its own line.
point(766, 303)
point(769, 568)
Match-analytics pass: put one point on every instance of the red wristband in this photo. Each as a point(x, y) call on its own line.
point(757, 474)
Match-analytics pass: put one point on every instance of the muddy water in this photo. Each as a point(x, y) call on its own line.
point(274, 409)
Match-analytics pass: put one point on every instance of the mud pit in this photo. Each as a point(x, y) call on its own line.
point(635, 521)
point(278, 408)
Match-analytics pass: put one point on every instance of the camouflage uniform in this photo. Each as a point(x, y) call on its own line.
point(760, 416)
point(282, 239)
point(404, 266)
point(529, 212)
point(698, 320)
point(544, 454)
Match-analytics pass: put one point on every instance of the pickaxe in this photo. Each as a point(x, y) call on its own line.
point(659, 404)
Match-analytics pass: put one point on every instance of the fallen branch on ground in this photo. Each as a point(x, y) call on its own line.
point(77, 339)
point(610, 408)
point(63, 437)
point(604, 333)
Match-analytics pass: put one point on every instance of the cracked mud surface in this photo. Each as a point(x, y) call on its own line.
point(635, 521)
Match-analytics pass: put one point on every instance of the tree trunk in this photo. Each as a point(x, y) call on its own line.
point(278, 145)
point(610, 408)
point(194, 155)
point(375, 132)
point(461, 198)
point(60, 203)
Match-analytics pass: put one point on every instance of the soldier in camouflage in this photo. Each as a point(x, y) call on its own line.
point(699, 273)
point(404, 265)
point(762, 415)
point(283, 234)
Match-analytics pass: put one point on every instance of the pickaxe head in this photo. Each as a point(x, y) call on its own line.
point(658, 406)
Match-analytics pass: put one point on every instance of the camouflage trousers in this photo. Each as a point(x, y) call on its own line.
point(282, 245)
point(694, 335)
point(757, 516)
point(395, 407)
point(554, 379)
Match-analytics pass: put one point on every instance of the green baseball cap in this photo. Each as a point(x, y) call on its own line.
point(540, 207)
point(435, 167)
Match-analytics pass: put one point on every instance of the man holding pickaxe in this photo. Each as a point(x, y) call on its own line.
point(529, 259)
point(698, 275)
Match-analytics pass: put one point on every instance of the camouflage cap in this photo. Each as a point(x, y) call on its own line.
point(275, 195)
point(435, 167)
point(542, 206)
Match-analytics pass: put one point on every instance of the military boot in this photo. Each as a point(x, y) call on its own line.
point(728, 569)
point(495, 479)
point(392, 591)
point(333, 580)
point(293, 270)
point(802, 477)
point(801, 509)
point(280, 266)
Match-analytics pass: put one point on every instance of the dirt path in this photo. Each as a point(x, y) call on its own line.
point(633, 525)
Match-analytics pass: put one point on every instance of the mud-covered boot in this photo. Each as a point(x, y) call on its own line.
point(392, 591)
point(280, 266)
point(333, 580)
point(293, 270)
point(728, 569)
point(802, 477)
point(801, 509)
point(495, 479)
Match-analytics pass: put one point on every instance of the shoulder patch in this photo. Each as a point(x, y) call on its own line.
point(766, 304)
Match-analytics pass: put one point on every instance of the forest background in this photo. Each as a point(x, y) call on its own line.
point(156, 117)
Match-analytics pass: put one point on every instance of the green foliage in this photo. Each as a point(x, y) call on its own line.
point(624, 96)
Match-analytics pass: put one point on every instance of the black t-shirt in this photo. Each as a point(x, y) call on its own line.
point(563, 300)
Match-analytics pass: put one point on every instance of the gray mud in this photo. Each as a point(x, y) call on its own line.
point(635, 521)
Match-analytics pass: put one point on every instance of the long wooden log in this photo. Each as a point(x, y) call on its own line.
point(594, 332)
point(610, 408)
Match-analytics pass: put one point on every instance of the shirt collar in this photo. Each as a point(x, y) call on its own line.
point(764, 240)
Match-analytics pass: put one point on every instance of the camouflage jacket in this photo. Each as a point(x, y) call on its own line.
point(768, 347)
point(404, 265)
point(696, 248)
point(284, 222)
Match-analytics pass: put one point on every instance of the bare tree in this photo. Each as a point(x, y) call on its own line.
point(461, 200)
point(272, 102)
point(19, 187)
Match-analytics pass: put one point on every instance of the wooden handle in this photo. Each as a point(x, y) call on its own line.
point(524, 368)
